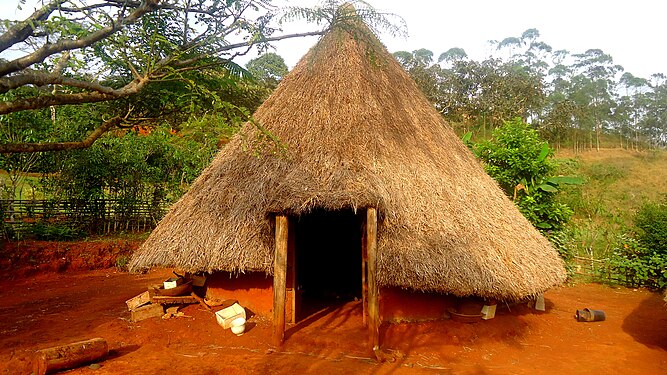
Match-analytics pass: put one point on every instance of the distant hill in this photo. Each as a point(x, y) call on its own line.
point(618, 182)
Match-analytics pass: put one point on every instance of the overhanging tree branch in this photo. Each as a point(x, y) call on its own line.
point(49, 49)
point(77, 98)
point(24, 29)
point(13, 148)
point(104, 47)
point(268, 39)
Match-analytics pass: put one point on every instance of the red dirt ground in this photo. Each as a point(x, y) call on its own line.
point(49, 308)
point(24, 258)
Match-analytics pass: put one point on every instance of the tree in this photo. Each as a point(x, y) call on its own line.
point(99, 51)
point(640, 257)
point(420, 58)
point(473, 93)
point(268, 69)
point(96, 51)
point(453, 54)
point(526, 51)
point(419, 64)
point(654, 121)
point(632, 105)
point(557, 117)
point(487, 93)
point(594, 89)
point(346, 15)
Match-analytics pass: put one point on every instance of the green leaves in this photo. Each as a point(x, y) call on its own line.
point(467, 139)
point(551, 184)
point(520, 161)
point(565, 180)
point(636, 265)
point(651, 222)
point(543, 153)
point(131, 167)
point(334, 12)
point(268, 69)
point(548, 188)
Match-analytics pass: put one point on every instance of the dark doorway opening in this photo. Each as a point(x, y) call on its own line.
point(328, 251)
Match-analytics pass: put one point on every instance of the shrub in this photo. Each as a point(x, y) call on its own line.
point(640, 258)
point(521, 163)
point(635, 265)
point(55, 232)
point(121, 263)
point(651, 223)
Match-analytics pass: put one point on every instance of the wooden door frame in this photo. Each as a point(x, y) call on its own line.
point(373, 310)
point(370, 291)
point(280, 278)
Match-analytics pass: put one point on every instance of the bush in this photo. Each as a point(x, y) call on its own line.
point(640, 258)
point(55, 232)
point(521, 163)
point(635, 265)
point(651, 223)
point(121, 263)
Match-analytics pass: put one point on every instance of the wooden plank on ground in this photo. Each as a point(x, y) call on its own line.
point(169, 300)
point(145, 312)
point(138, 301)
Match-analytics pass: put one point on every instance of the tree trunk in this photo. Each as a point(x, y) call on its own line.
point(597, 137)
point(590, 139)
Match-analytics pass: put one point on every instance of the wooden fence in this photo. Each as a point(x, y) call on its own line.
point(599, 270)
point(591, 269)
point(94, 216)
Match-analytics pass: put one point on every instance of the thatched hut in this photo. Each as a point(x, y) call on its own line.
point(369, 191)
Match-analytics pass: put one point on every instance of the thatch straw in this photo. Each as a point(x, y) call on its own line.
point(358, 133)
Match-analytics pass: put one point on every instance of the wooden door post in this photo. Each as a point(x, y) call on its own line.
point(373, 300)
point(364, 272)
point(291, 309)
point(280, 279)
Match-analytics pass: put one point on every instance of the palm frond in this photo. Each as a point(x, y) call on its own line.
point(331, 13)
point(235, 70)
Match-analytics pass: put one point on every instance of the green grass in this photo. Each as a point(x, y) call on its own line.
point(618, 182)
point(28, 188)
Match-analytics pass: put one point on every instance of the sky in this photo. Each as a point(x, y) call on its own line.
point(632, 32)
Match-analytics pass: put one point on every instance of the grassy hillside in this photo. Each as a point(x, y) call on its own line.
point(618, 182)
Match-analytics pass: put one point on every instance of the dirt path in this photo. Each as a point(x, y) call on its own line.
point(51, 309)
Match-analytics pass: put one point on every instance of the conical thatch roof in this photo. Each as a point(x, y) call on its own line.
point(358, 133)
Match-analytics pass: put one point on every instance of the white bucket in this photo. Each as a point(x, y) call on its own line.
point(238, 326)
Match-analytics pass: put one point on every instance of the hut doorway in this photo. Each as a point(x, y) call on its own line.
point(327, 260)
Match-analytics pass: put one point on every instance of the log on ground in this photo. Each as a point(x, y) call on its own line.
point(63, 357)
